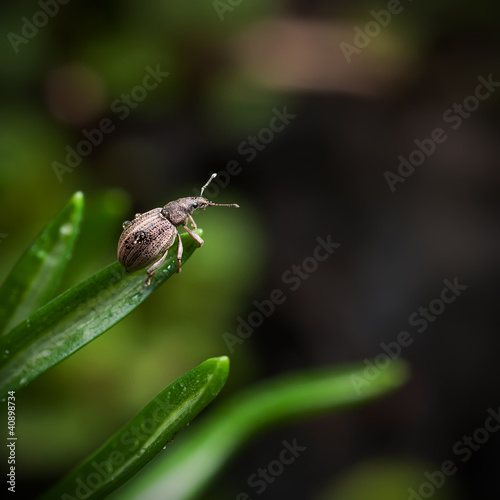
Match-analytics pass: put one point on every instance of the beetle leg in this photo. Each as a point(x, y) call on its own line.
point(179, 252)
point(193, 224)
point(151, 270)
point(196, 237)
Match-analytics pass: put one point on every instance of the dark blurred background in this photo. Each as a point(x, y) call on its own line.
point(354, 85)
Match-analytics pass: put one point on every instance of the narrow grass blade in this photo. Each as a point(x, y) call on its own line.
point(76, 317)
point(35, 278)
point(131, 448)
point(187, 469)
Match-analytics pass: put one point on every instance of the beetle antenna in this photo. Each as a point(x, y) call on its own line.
point(208, 182)
point(211, 204)
point(224, 205)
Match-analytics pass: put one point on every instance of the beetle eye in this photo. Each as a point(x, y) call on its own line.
point(195, 205)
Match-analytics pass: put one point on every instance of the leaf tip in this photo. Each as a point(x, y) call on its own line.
point(222, 362)
point(396, 375)
point(402, 372)
point(220, 366)
point(77, 200)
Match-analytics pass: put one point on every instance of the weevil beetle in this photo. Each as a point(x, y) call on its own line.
point(147, 239)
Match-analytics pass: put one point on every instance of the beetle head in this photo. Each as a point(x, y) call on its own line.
point(177, 211)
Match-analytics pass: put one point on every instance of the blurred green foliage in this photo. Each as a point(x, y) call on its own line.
point(133, 446)
point(166, 336)
point(60, 326)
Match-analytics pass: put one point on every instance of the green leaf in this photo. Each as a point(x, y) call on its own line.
point(96, 247)
point(35, 278)
point(77, 317)
point(132, 447)
point(194, 461)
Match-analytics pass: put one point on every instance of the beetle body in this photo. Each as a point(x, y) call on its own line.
point(145, 240)
point(148, 235)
